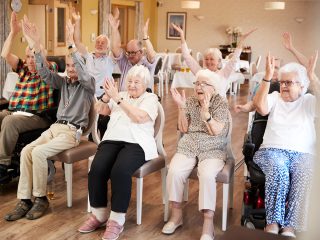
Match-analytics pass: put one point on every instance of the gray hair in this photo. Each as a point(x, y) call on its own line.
point(214, 52)
point(141, 72)
point(301, 74)
point(213, 79)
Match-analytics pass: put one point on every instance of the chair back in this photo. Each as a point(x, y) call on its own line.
point(253, 69)
point(230, 155)
point(158, 129)
point(93, 117)
point(258, 62)
point(158, 66)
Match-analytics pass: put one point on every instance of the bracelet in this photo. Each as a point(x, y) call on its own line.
point(145, 38)
point(119, 101)
point(101, 99)
point(266, 80)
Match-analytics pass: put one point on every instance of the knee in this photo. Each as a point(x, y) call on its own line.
point(39, 152)
point(174, 173)
point(26, 151)
point(119, 174)
point(205, 175)
point(8, 123)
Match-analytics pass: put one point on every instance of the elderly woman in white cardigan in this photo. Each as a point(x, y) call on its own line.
point(126, 145)
point(287, 152)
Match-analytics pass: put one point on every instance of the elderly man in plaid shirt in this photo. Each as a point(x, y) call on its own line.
point(31, 96)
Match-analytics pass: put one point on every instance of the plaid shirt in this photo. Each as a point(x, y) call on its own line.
point(30, 91)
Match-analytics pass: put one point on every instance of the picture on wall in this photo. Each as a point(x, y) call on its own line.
point(179, 19)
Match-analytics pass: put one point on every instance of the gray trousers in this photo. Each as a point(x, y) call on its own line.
point(11, 127)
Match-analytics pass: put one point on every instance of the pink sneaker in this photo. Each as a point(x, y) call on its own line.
point(113, 230)
point(90, 225)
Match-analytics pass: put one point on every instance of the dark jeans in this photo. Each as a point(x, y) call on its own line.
point(117, 161)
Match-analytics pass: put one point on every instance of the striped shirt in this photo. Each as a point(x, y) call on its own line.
point(31, 92)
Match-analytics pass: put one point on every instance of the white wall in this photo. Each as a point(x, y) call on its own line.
point(219, 14)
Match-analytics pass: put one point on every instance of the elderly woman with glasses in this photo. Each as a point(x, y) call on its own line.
point(204, 120)
point(126, 145)
point(287, 153)
point(213, 60)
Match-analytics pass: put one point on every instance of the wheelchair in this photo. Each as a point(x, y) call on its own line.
point(253, 209)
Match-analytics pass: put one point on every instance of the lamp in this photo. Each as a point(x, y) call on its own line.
point(299, 19)
point(274, 5)
point(190, 4)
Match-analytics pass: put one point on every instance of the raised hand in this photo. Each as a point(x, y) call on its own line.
point(116, 13)
point(30, 32)
point(114, 22)
point(69, 32)
point(111, 90)
point(287, 40)
point(145, 29)
point(179, 30)
point(15, 24)
point(269, 67)
point(311, 66)
point(244, 36)
point(75, 16)
point(179, 99)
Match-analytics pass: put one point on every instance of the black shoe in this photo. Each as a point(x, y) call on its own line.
point(21, 209)
point(39, 208)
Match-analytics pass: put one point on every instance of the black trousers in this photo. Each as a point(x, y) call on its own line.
point(117, 161)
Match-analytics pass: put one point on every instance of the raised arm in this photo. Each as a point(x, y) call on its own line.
point(180, 100)
point(15, 28)
point(150, 51)
point(314, 80)
point(84, 78)
point(230, 67)
point(115, 35)
point(190, 61)
point(287, 42)
point(32, 35)
point(77, 33)
point(260, 99)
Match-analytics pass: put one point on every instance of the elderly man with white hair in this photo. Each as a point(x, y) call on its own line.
point(287, 153)
point(204, 120)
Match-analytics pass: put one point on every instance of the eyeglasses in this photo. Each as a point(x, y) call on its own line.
point(202, 84)
point(132, 53)
point(286, 83)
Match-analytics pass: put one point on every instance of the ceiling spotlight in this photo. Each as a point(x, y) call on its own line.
point(274, 5)
point(190, 4)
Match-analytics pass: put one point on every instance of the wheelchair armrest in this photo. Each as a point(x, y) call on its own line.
point(248, 147)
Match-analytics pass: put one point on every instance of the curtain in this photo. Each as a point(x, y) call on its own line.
point(104, 10)
point(4, 32)
point(139, 21)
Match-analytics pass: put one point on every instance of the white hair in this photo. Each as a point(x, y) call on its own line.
point(301, 74)
point(214, 52)
point(213, 79)
point(141, 72)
